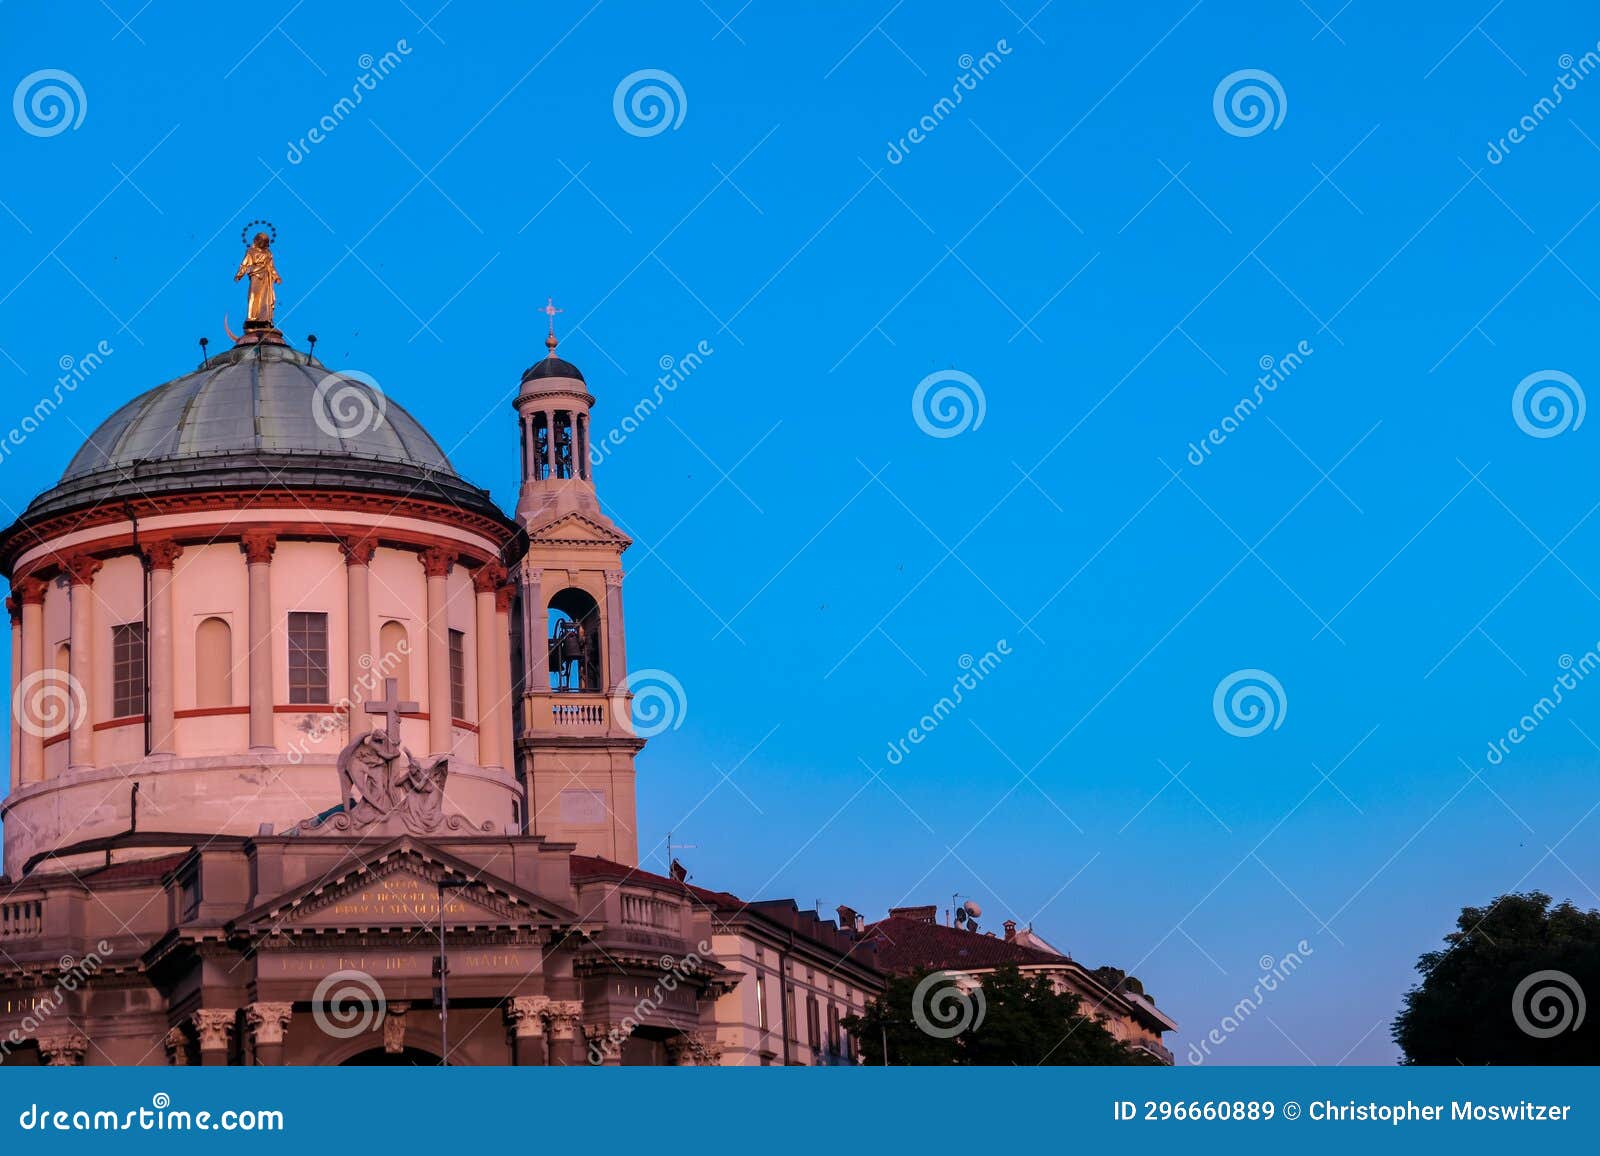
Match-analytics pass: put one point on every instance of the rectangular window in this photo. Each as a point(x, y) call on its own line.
point(458, 674)
point(761, 1001)
point(833, 1027)
point(813, 1023)
point(127, 670)
point(308, 657)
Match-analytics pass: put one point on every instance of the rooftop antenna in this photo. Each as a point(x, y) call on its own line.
point(204, 341)
point(671, 846)
point(311, 350)
point(967, 914)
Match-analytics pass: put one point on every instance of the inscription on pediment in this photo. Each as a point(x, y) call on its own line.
point(396, 898)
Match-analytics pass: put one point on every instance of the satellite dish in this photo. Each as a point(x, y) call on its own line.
point(971, 909)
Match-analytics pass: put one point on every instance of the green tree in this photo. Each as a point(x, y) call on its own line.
point(1023, 1021)
point(1510, 988)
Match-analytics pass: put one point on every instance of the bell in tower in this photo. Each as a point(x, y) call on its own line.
point(575, 739)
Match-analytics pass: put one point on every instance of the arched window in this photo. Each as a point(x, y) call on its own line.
point(574, 624)
point(213, 663)
point(62, 682)
point(393, 659)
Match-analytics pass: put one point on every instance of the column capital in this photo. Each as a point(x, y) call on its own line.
point(358, 551)
point(694, 1050)
point(564, 1016)
point(14, 608)
point(214, 1026)
point(65, 1050)
point(180, 1048)
point(614, 578)
point(81, 568)
point(162, 553)
point(503, 596)
point(525, 1014)
point(268, 1021)
point(258, 545)
point(437, 561)
point(486, 579)
point(30, 591)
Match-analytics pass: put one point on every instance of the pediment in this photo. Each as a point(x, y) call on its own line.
point(575, 529)
point(398, 887)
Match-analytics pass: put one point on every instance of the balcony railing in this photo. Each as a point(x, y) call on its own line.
point(22, 919)
point(571, 710)
point(1159, 1050)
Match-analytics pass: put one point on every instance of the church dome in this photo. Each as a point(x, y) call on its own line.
point(259, 414)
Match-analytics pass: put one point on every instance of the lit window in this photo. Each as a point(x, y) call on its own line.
point(308, 657)
point(127, 670)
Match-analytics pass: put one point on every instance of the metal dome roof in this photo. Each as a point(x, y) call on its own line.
point(552, 366)
point(260, 398)
point(260, 415)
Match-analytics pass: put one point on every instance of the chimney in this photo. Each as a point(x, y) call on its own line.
point(928, 914)
point(849, 918)
point(1011, 929)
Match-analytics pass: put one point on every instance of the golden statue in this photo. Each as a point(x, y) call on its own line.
point(258, 266)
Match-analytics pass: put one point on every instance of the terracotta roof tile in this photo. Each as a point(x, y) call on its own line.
point(907, 945)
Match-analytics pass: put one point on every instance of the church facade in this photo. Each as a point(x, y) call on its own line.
point(319, 757)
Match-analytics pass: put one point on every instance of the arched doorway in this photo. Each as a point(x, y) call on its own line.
point(382, 1058)
point(574, 633)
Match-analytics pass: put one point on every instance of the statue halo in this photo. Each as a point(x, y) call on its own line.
point(244, 233)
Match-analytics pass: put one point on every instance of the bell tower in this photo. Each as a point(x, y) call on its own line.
point(575, 741)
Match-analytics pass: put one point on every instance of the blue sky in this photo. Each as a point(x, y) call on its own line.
point(1109, 265)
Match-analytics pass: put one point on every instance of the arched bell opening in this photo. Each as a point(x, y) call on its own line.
point(574, 634)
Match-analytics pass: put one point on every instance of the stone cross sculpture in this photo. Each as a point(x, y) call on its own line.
point(379, 794)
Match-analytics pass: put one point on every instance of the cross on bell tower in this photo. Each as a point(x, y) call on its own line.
point(550, 311)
